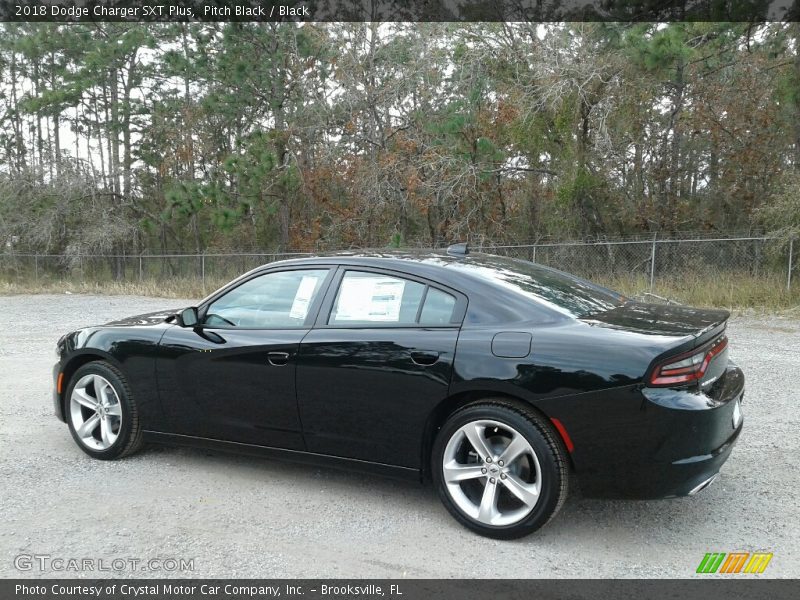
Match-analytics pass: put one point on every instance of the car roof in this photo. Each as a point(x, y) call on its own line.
point(422, 263)
point(488, 302)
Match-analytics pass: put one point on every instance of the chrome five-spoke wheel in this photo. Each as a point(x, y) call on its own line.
point(96, 412)
point(500, 468)
point(491, 472)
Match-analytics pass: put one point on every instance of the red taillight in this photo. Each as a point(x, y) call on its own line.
point(688, 367)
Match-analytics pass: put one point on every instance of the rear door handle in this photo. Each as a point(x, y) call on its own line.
point(424, 358)
point(278, 359)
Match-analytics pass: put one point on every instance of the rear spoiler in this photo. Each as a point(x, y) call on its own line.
point(710, 332)
point(694, 341)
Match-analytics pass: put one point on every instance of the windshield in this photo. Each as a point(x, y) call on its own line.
point(564, 292)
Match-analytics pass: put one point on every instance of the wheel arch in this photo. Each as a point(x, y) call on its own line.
point(75, 362)
point(443, 410)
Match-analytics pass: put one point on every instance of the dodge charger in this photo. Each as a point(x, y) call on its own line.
point(496, 379)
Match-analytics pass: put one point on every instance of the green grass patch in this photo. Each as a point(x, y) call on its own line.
point(733, 291)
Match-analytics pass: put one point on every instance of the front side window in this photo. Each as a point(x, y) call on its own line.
point(270, 301)
point(373, 298)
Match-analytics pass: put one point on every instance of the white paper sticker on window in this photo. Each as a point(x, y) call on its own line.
point(302, 299)
point(370, 299)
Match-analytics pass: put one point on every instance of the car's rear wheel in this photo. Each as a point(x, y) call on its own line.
point(500, 469)
point(101, 413)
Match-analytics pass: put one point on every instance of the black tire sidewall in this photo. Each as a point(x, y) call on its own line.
point(530, 426)
point(115, 379)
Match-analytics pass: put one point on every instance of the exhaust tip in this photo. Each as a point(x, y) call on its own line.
point(703, 485)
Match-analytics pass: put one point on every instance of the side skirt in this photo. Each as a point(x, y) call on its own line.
point(296, 456)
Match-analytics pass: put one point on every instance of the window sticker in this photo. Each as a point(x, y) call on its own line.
point(370, 299)
point(302, 299)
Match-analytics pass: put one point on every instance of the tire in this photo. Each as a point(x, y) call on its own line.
point(501, 499)
point(111, 428)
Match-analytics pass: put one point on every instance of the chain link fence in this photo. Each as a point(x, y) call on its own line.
point(657, 260)
point(646, 266)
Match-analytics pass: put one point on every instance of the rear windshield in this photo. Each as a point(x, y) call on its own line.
point(564, 292)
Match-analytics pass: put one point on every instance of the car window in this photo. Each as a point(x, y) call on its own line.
point(438, 308)
point(376, 298)
point(270, 301)
point(562, 291)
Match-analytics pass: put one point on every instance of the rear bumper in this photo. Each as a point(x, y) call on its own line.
point(682, 477)
point(683, 439)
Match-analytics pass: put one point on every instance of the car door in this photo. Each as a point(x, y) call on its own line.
point(378, 360)
point(232, 377)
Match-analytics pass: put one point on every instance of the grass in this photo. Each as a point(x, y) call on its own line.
point(734, 291)
point(172, 288)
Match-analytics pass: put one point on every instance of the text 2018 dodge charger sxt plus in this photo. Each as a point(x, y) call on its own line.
point(492, 377)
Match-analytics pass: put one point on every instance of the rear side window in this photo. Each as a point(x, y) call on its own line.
point(562, 291)
point(374, 298)
point(438, 308)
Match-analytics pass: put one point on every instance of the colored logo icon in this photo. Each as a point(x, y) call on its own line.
point(734, 562)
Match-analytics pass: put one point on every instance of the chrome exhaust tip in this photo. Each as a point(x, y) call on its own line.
point(703, 485)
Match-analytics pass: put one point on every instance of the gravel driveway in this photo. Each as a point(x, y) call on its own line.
point(245, 517)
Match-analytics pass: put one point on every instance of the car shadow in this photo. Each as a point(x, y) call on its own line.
point(616, 521)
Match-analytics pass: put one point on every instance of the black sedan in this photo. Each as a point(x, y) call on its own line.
point(495, 378)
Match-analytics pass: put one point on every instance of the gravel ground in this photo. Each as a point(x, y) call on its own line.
point(244, 517)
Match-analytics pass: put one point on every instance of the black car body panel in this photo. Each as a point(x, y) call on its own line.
point(659, 319)
point(220, 384)
point(132, 345)
point(362, 395)
point(375, 396)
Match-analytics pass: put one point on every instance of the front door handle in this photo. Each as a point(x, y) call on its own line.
point(424, 358)
point(278, 359)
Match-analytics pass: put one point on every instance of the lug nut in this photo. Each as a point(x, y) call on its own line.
point(488, 459)
point(483, 470)
point(503, 475)
point(500, 463)
point(492, 480)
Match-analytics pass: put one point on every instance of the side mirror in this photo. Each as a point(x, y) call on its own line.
point(188, 316)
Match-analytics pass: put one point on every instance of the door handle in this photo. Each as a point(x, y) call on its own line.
point(278, 359)
point(425, 359)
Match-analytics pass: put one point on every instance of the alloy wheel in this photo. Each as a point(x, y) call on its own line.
point(96, 412)
point(491, 473)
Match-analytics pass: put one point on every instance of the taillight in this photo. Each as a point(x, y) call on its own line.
point(688, 367)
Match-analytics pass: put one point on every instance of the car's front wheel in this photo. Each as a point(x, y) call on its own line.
point(499, 469)
point(101, 412)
